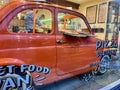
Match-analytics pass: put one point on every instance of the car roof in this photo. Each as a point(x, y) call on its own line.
point(8, 8)
point(16, 3)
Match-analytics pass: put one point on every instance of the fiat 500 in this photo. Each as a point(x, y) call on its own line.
point(45, 42)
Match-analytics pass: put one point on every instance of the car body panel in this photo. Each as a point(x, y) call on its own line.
point(72, 57)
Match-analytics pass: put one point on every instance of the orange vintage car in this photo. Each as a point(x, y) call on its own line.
point(57, 46)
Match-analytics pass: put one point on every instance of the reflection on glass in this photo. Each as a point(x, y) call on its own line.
point(32, 21)
point(71, 24)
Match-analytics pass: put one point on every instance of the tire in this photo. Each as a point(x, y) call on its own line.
point(15, 77)
point(104, 63)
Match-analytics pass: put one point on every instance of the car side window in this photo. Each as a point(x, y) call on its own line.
point(71, 24)
point(32, 21)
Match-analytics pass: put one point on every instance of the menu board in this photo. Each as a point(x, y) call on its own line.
point(102, 12)
point(91, 13)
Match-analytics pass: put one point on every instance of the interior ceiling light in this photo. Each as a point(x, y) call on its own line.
point(2, 2)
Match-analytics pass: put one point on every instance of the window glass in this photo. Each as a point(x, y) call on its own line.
point(71, 23)
point(32, 21)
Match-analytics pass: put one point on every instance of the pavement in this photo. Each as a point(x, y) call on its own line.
point(79, 82)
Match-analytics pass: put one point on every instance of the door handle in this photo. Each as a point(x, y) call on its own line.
point(60, 41)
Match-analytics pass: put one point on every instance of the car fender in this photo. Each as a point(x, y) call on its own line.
point(10, 61)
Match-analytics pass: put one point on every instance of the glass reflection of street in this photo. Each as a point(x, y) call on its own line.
point(95, 82)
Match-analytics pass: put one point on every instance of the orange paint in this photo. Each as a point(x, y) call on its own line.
point(72, 57)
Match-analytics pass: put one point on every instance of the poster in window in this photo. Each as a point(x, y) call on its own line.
point(102, 13)
point(91, 13)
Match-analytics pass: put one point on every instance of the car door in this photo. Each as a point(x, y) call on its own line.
point(32, 48)
point(75, 48)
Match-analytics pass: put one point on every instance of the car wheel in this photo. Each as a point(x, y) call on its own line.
point(104, 63)
point(15, 81)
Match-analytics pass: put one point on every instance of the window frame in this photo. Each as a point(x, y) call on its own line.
point(70, 17)
point(73, 13)
point(21, 8)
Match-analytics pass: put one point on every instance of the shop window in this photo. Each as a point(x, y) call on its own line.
point(71, 24)
point(32, 21)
